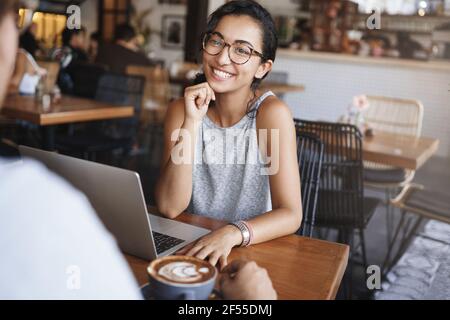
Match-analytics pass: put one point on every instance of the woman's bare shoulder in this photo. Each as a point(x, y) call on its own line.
point(273, 113)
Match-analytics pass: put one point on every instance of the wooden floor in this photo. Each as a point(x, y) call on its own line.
point(434, 175)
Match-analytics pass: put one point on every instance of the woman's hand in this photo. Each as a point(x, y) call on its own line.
point(197, 99)
point(215, 246)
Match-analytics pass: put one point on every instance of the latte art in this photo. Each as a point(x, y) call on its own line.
point(184, 272)
point(181, 277)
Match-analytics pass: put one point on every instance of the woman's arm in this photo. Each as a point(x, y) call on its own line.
point(174, 187)
point(286, 215)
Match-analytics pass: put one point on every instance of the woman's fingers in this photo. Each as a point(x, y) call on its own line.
point(201, 94)
point(208, 96)
point(191, 252)
point(203, 253)
point(223, 261)
point(214, 258)
point(200, 97)
point(182, 251)
point(213, 94)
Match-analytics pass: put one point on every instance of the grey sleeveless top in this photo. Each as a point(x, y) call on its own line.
point(228, 172)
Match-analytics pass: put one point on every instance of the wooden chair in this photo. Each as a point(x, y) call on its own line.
point(156, 92)
point(394, 115)
point(420, 203)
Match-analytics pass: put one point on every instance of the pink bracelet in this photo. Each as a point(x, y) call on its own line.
point(250, 229)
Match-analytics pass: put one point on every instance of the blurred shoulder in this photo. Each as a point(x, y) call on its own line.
point(32, 182)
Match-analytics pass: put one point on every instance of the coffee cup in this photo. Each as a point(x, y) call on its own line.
point(181, 278)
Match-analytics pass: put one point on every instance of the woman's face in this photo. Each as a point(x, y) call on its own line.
point(221, 73)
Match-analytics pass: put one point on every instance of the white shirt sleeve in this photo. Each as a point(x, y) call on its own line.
point(52, 244)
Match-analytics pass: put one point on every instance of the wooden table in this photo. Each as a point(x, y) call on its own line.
point(68, 110)
point(397, 150)
point(300, 268)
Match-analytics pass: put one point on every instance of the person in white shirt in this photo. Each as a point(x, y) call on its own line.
point(52, 244)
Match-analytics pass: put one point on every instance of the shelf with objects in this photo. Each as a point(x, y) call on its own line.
point(330, 22)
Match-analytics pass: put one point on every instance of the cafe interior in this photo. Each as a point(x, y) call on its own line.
point(367, 84)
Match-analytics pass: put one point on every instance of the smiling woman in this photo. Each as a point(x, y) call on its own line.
point(222, 152)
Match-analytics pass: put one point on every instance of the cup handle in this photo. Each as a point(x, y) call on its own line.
point(188, 295)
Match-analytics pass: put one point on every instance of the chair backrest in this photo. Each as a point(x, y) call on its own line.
point(403, 116)
point(309, 154)
point(120, 89)
point(85, 77)
point(157, 86)
point(156, 91)
point(341, 183)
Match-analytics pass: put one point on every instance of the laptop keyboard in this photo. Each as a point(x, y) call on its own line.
point(164, 242)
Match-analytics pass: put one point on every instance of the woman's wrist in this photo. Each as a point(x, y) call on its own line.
point(191, 122)
point(235, 235)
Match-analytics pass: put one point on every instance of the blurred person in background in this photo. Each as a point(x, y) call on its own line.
point(27, 74)
point(123, 52)
point(28, 41)
point(72, 52)
point(94, 41)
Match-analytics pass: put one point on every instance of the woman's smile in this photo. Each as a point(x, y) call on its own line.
point(221, 75)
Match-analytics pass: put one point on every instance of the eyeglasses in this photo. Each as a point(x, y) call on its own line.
point(238, 52)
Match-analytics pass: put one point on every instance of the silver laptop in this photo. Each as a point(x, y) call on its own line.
point(116, 195)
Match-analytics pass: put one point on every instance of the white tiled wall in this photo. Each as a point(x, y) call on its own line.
point(331, 86)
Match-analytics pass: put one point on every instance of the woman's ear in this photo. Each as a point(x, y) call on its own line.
point(263, 69)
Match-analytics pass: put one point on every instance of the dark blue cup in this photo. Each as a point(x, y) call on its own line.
point(197, 283)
